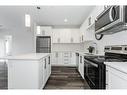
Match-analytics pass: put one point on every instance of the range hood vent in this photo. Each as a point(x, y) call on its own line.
point(115, 29)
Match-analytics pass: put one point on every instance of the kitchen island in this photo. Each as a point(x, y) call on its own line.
point(28, 71)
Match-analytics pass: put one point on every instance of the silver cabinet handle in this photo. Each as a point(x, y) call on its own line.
point(80, 59)
point(49, 60)
point(95, 65)
point(45, 63)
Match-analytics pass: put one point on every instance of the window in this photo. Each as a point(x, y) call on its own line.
point(27, 20)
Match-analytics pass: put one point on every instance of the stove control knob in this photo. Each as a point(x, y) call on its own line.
point(125, 48)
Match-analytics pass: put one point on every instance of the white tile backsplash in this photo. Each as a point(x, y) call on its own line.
point(67, 47)
point(119, 38)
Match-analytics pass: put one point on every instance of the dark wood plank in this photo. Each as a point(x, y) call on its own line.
point(66, 78)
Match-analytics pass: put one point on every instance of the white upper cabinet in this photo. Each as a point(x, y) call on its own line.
point(44, 31)
point(86, 35)
point(97, 11)
point(66, 36)
point(87, 29)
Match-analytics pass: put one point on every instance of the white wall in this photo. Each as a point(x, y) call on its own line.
point(119, 38)
point(14, 24)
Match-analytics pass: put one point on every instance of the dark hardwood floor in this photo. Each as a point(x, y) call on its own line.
point(66, 78)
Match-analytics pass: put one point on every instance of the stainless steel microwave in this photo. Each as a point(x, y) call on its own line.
point(111, 20)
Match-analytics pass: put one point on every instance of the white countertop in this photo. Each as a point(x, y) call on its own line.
point(121, 66)
point(82, 53)
point(30, 56)
point(88, 54)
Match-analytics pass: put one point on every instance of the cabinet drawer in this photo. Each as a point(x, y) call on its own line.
point(66, 56)
point(67, 60)
point(66, 53)
point(118, 73)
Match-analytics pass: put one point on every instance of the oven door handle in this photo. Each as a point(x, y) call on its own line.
point(95, 65)
point(91, 63)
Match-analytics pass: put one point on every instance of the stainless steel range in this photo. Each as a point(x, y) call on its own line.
point(95, 69)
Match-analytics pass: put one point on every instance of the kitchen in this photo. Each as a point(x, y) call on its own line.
point(63, 47)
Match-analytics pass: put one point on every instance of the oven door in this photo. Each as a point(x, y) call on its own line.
point(92, 74)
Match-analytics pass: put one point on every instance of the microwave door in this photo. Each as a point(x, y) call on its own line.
point(110, 21)
point(103, 20)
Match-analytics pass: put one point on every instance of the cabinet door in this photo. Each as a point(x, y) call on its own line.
point(116, 79)
point(54, 58)
point(81, 66)
point(46, 31)
point(75, 36)
point(65, 35)
point(56, 36)
point(41, 73)
point(73, 59)
point(60, 58)
point(45, 70)
point(48, 67)
point(97, 11)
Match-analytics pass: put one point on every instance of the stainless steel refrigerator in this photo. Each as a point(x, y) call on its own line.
point(43, 44)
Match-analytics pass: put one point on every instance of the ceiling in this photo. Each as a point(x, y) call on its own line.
point(55, 15)
point(51, 15)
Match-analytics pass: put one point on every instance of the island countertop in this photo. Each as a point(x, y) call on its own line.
point(29, 56)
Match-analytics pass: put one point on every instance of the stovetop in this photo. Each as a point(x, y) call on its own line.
point(102, 59)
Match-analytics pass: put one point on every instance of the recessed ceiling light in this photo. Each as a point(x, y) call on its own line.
point(65, 20)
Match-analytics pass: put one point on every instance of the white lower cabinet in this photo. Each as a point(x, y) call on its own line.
point(63, 59)
point(48, 67)
point(81, 66)
point(115, 79)
point(46, 70)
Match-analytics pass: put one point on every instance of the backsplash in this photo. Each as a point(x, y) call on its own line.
point(67, 47)
point(119, 38)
